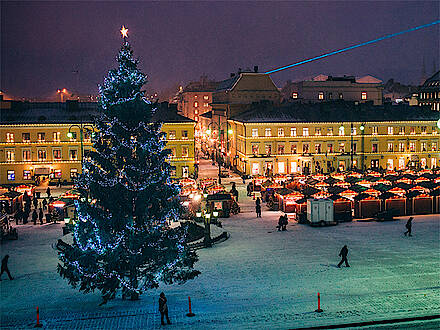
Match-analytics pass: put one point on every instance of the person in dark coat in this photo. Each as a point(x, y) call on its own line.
point(258, 210)
point(5, 267)
point(44, 204)
point(35, 202)
point(234, 191)
point(280, 222)
point(258, 201)
point(18, 215)
point(26, 213)
point(249, 189)
point(163, 308)
point(343, 254)
point(34, 217)
point(244, 179)
point(285, 222)
point(408, 226)
point(48, 192)
point(40, 215)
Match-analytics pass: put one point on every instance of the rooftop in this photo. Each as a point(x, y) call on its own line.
point(337, 111)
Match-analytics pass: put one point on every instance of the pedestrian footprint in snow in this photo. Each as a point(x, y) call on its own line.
point(163, 308)
point(408, 226)
point(343, 254)
point(5, 267)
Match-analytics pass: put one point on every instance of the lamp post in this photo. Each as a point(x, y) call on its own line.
point(218, 148)
point(81, 127)
point(362, 128)
point(351, 148)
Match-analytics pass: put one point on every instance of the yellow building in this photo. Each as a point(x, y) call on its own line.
point(313, 138)
point(44, 140)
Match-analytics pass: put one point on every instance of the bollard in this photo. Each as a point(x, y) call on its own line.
point(319, 310)
point(38, 325)
point(190, 314)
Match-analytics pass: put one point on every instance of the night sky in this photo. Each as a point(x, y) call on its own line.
point(42, 43)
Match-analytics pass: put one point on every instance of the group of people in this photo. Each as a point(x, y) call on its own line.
point(22, 214)
point(282, 222)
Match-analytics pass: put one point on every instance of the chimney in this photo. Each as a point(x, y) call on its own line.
point(256, 68)
point(232, 74)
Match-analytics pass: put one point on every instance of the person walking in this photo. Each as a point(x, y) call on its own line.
point(408, 226)
point(234, 191)
point(280, 222)
point(48, 192)
point(285, 222)
point(258, 210)
point(26, 213)
point(40, 215)
point(44, 204)
point(35, 202)
point(343, 254)
point(163, 308)
point(5, 267)
point(34, 216)
point(249, 189)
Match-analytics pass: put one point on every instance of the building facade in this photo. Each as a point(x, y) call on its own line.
point(324, 88)
point(308, 139)
point(49, 140)
point(429, 92)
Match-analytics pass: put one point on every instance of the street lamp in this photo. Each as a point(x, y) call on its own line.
point(362, 128)
point(81, 127)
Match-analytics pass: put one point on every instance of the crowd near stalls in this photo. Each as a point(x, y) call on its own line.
point(206, 196)
point(353, 194)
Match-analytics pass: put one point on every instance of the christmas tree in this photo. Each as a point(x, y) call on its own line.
point(121, 240)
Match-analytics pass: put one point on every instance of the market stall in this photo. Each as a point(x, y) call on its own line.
point(366, 206)
point(10, 201)
point(342, 208)
point(221, 202)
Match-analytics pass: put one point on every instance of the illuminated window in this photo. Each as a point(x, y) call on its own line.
point(402, 146)
point(390, 147)
point(434, 146)
point(293, 148)
point(26, 137)
point(306, 148)
point(390, 130)
point(72, 136)
point(184, 135)
point(329, 147)
point(341, 147)
point(330, 131)
point(341, 130)
point(293, 131)
point(171, 135)
point(185, 171)
point(305, 131)
point(11, 175)
point(412, 146)
point(196, 118)
point(206, 97)
point(423, 130)
point(321, 96)
point(10, 155)
point(267, 132)
point(56, 136)
point(412, 130)
point(185, 152)
point(401, 130)
point(268, 149)
point(255, 149)
point(281, 149)
point(330, 96)
point(26, 155)
point(41, 155)
point(57, 154)
point(41, 137)
point(173, 152)
point(73, 154)
point(196, 104)
point(281, 167)
point(27, 175)
point(73, 173)
point(10, 137)
point(205, 104)
point(354, 147)
point(280, 132)
point(374, 147)
point(57, 174)
point(318, 148)
point(422, 146)
point(294, 95)
point(255, 132)
point(196, 112)
point(341, 96)
point(317, 131)
point(353, 130)
point(374, 130)
point(195, 96)
point(364, 95)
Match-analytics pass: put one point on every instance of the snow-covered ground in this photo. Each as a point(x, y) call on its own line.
point(258, 279)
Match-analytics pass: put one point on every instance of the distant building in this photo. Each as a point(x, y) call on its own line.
point(310, 138)
point(429, 92)
point(34, 139)
point(324, 88)
point(195, 98)
point(395, 92)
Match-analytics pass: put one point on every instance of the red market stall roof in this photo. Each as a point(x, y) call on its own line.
point(372, 192)
point(397, 191)
point(321, 194)
point(363, 196)
point(283, 191)
point(365, 183)
point(419, 188)
point(338, 198)
point(10, 195)
point(322, 184)
point(349, 194)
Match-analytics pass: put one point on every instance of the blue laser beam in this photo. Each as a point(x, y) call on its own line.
point(352, 47)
